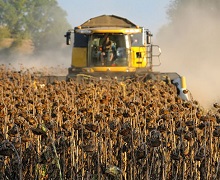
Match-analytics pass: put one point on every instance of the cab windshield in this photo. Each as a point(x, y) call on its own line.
point(108, 50)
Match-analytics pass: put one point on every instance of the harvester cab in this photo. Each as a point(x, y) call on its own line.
point(112, 46)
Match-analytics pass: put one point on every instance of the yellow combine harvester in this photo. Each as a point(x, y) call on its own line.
point(112, 46)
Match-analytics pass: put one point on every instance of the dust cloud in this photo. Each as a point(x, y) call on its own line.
point(191, 47)
point(49, 62)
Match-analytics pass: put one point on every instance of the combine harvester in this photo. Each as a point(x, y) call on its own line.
point(129, 54)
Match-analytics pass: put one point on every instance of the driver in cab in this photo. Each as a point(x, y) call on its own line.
point(106, 50)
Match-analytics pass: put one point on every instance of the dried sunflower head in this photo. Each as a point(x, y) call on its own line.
point(113, 170)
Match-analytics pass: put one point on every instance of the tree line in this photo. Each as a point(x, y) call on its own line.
point(43, 22)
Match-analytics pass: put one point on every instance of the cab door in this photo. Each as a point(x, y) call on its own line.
point(94, 51)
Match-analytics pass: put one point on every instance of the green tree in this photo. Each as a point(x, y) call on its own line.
point(44, 22)
point(12, 16)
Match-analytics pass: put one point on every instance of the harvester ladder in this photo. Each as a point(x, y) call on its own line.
point(151, 56)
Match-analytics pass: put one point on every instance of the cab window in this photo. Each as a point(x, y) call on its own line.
point(100, 56)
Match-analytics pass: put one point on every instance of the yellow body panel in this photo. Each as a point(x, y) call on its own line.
point(109, 69)
point(79, 57)
point(183, 82)
point(123, 31)
point(138, 57)
point(110, 30)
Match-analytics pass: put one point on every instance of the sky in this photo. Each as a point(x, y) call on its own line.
point(150, 14)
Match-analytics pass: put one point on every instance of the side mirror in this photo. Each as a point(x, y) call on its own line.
point(68, 37)
point(149, 35)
